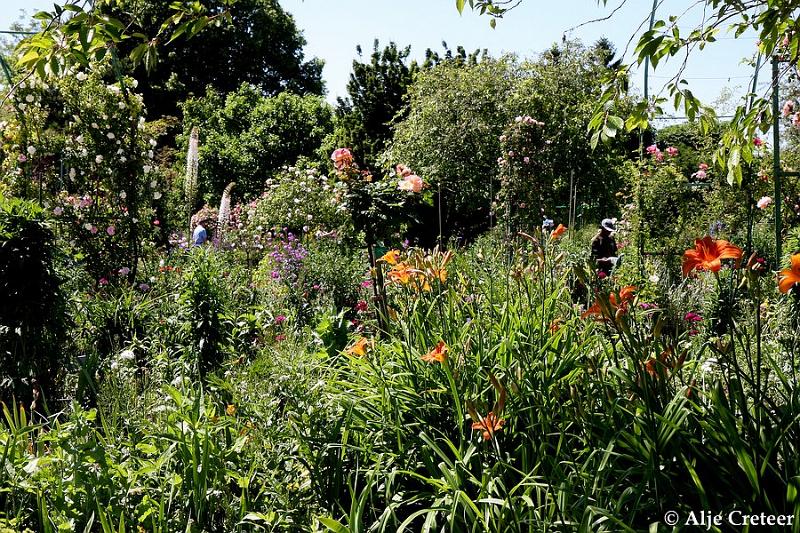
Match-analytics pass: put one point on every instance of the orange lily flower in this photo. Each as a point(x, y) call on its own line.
point(617, 304)
point(438, 354)
point(708, 255)
point(402, 273)
point(558, 232)
point(392, 257)
point(359, 348)
point(789, 277)
point(489, 425)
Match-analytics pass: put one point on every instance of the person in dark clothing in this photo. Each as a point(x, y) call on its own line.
point(604, 247)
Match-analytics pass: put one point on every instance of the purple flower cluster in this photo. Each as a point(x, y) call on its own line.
point(287, 256)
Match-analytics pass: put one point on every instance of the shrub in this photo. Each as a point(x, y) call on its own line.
point(33, 316)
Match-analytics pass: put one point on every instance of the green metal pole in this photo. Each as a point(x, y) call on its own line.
point(749, 182)
point(776, 158)
point(640, 244)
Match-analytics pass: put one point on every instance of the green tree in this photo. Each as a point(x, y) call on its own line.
point(376, 93)
point(261, 46)
point(451, 137)
point(246, 137)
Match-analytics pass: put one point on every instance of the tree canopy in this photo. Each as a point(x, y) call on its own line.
point(261, 45)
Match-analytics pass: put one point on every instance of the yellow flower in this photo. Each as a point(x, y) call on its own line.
point(230, 410)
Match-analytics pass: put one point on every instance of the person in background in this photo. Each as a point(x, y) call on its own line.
point(604, 247)
point(200, 234)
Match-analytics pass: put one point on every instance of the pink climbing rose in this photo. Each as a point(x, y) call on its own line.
point(410, 183)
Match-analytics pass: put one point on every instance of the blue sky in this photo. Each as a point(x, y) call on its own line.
point(333, 33)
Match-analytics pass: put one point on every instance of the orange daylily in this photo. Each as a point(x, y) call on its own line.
point(708, 255)
point(489, 425)
point(617, 304)
point(789, 277)
point(392, 257)
point(558, 232)
point(402, 273)
point(359, 348)
point(438, 354)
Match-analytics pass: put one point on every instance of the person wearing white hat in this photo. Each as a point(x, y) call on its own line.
point(604, 247)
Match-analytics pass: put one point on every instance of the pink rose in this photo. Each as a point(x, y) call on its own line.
point(93, 230)
point(659, 156)
point(672, 151)
point(342, 158)
point(788, 108)
point(652, 149)
point(111, 230)
point(757, 141)
point(103, 281)
point(411, 183)
point(764, 202)
point(403, 171)
point(702, 166)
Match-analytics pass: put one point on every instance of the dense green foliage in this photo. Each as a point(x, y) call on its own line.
point(458, 112)
point(317, 363)
point(246, 136)
point(32, 303)
point(259, 45)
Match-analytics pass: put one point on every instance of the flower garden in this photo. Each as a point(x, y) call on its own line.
point(392, 319)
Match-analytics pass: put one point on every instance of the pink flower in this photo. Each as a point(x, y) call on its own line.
point(103, 281)
point(652, 149)
point(342, 158)
point(58, 211)
point(764, 202)
point(111, 230)
point(788, 108)
point(526, 160)
point(511, 153)
point(403, 171)
point(703, 166)
point(280, 338)
point(692, 317)
point(366, 283)
point(124, 271)
point(22, 158)
point(700, 174)
point(672, 151)
point(659, 156)
point(501, 161)
point(93, 229)
point(411, 183)
point(602, 275)
point(156, 222)
point(280, 319)
point(796, 120)
point(361, 306)
point(757, 141)
point(144, 287)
